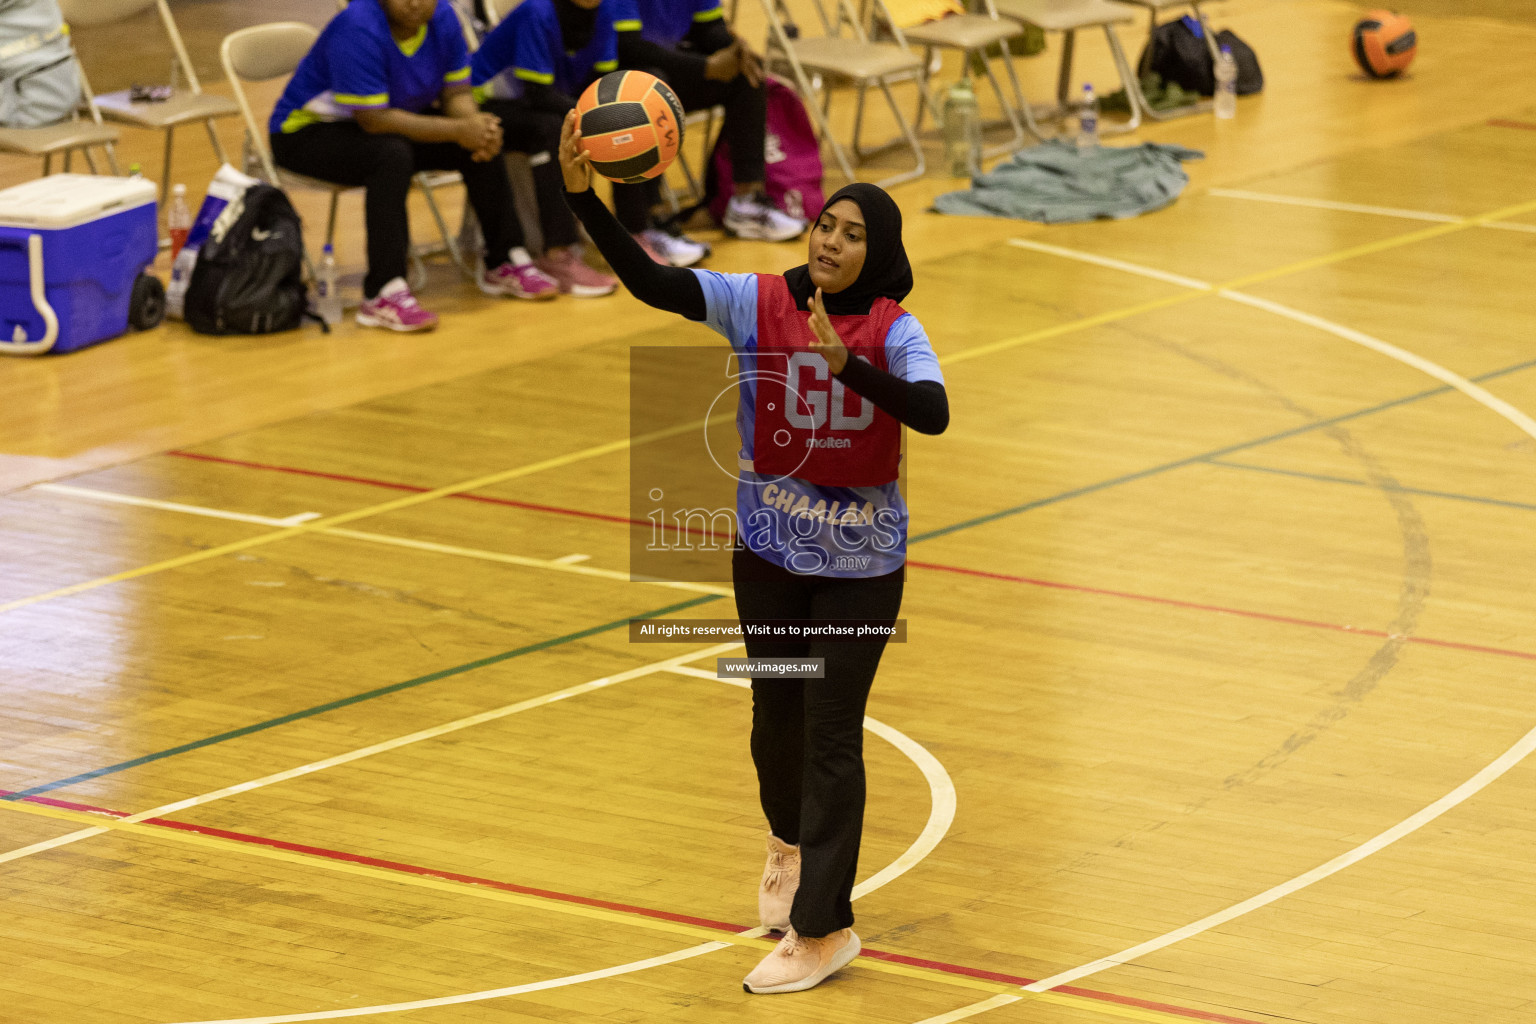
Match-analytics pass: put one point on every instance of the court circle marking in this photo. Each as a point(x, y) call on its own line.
point(941, 815)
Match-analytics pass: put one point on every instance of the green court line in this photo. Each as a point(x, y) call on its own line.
point(357, 698)
point(1326, 478)
point(1205, 457)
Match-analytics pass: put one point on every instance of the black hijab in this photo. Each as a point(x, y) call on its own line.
point(886, 271)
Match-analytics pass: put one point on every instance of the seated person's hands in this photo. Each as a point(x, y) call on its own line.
point(481, 135)
point(724, 64)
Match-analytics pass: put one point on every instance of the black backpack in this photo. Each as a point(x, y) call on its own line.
point(249, 276)
point(1177, 52)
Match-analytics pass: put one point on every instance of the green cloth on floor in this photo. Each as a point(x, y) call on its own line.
point(1055, 184)
point(1159, 96)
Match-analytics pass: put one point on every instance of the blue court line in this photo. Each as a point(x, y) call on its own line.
point(1325, 478)
point(545, 644)
point(358, 698)
point(1205, 456)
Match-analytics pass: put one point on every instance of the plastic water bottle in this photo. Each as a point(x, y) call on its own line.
point(1088, 121)
point(962, 130)
point(327, 294)
point(1226, 84)
point(178, 219)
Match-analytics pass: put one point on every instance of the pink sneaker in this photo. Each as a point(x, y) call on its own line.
point(574, 276)
point(798, 963)
point(395, 308)
point(650, 249)
point(776, 892)
point(519, 278)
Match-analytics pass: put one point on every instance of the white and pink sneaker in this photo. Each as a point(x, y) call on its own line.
point(574, 276)
point(396, 309)
point(519, 278)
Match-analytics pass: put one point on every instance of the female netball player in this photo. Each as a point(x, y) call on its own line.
point(822, 519)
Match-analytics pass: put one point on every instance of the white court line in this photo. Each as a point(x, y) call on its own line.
point(556, 564)
point(1478, 394)
point(566, 564)
point(1498, 767)
point(493, 993)
point(971, 1010)
point(1112, 264)
point(1380, 211)
point(1503, 763)
point(172, 506)
point(377, 748)
point(941, 815)
point(941, 789)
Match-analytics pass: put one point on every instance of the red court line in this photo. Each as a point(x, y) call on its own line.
point(939, 567)
point(1500, 122)
point(412, 488)
point(1221, 610)
point(624, 908)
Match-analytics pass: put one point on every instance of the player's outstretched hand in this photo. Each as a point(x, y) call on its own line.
point(826, 340)
point(575, 167)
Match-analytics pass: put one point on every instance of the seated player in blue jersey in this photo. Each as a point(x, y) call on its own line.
point(551, 50)
point(832, 368)
point(548, 47)
point(688, 45)
point(382, 94)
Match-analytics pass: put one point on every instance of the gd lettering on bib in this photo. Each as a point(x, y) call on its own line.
point(808, 425)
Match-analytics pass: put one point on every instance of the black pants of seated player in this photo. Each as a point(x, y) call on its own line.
point(808, 734)
point(745, 126)
point(537, 133)
point(341, 152)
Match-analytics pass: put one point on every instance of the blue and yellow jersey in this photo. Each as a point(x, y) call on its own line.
point(356, 64)
point(530, 45)
point(666, 22)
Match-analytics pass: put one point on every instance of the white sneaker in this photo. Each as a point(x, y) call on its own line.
point(678, 250)
point(798, 963)
point(756, 218)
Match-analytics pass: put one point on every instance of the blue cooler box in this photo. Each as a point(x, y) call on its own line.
point(71, 247)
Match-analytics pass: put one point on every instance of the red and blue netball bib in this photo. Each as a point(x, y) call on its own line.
point(807, 425)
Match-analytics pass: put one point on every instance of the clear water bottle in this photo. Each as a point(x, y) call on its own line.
point(962, 130)
point(1087, 120)
point(178, 220)
point(1226, 84)
point(327, 293)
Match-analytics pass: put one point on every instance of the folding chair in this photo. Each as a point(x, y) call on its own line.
point(972, 35)
point(66, 136)
point(855, 59)
point(496, 10)
point(1156, 7)
point(184, 106)
point(264, 52)
point(1067, 17)
point(429, 181)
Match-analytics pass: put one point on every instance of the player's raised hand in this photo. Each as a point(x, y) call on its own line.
point(826, 340)
point(575, 167)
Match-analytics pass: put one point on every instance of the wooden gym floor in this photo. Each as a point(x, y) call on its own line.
point(1217, 699)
